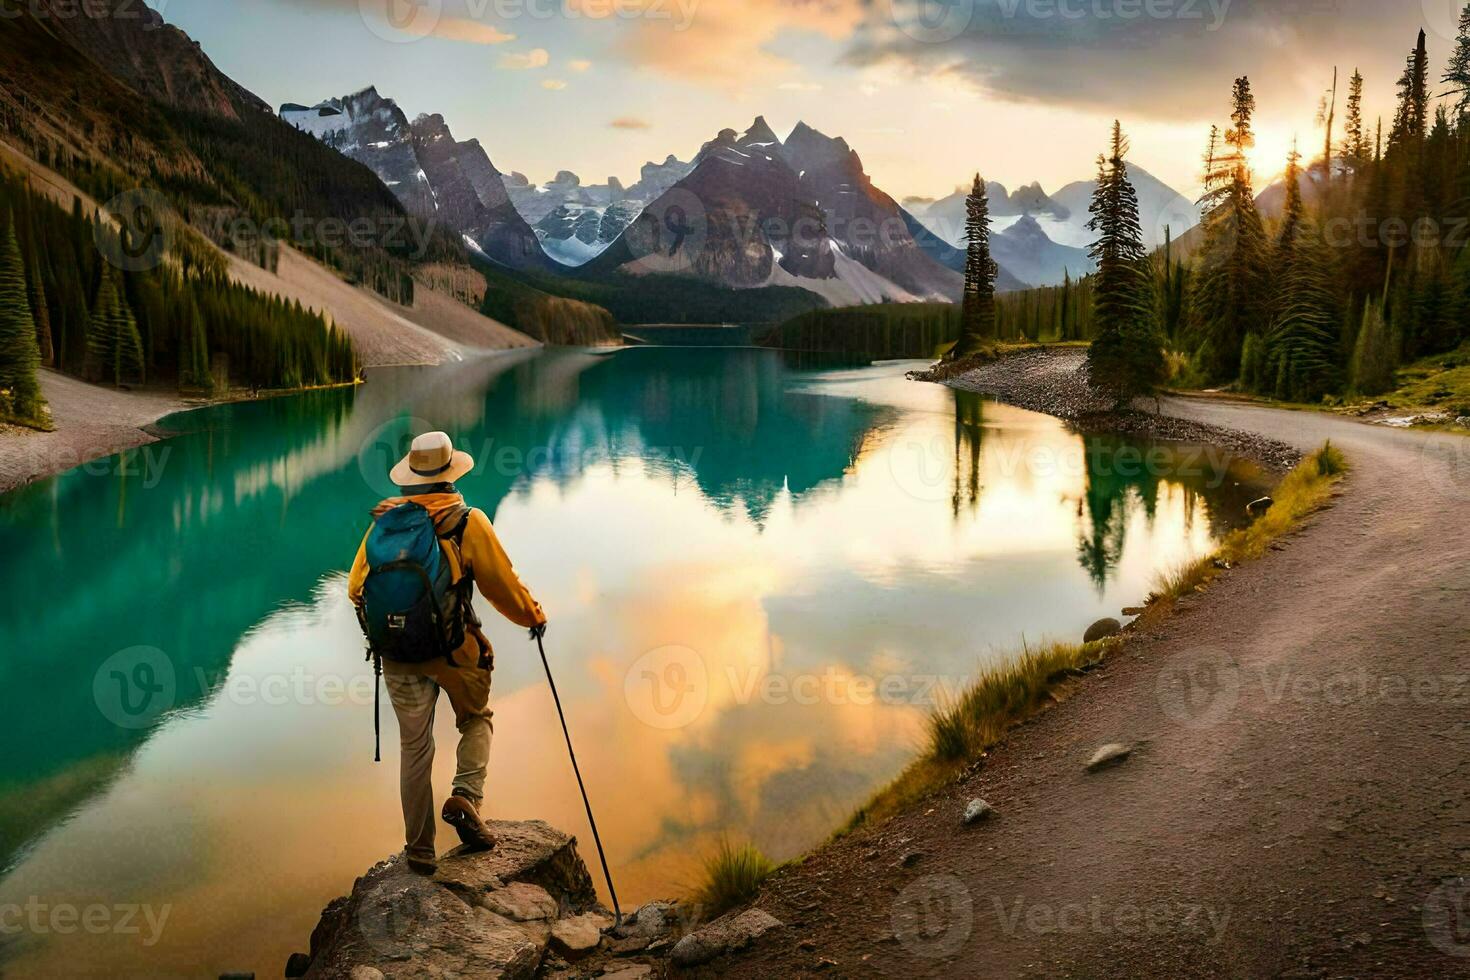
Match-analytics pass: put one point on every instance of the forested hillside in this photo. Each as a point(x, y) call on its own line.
point(174, 322)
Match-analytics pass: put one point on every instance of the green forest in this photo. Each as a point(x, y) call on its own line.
point(63, 305)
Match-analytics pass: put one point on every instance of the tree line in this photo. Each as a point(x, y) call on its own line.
point(64, 305)
point(1364, 268)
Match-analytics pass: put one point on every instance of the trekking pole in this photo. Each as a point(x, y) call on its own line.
point(597, 838)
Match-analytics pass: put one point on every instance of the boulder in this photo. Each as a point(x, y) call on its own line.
point(297, 964)
point(1258, 507)
point(978, 810)
point(1109, 755)
point(463, 921)
point(724, 935)
point(578, 937)
point(1101, 630)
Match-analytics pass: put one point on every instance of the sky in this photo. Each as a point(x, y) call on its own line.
point(927, 91)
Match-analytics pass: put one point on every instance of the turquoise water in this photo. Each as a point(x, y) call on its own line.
point(760, 575)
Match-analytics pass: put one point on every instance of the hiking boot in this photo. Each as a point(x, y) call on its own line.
point(421, 865)
point(464, 817)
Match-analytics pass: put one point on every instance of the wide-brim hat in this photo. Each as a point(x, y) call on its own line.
point(431, 458)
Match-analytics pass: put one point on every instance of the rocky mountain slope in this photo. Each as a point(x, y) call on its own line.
point(435, 176)
point(755, 211)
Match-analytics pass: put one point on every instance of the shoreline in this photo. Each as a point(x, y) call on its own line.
point(1049, 380)
point(93, 422)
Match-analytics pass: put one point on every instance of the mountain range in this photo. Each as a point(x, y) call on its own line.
point(1042, 238)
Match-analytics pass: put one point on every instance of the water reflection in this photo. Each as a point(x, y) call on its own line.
point(795, 538)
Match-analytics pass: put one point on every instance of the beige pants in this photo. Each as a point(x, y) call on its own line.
point(414, 690)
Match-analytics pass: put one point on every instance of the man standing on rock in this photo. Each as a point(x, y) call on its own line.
point(411, 585)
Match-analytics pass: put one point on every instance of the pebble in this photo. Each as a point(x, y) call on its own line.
point(978, 810)
point(1109, 755)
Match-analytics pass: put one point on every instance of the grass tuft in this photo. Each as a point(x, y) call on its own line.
point(733, 876)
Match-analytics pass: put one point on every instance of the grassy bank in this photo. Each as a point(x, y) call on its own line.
point(962, 731)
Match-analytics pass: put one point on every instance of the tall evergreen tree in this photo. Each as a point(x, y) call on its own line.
point(1127, 353)
point(1354, 149)
point(1301, 346)
point(1411, 120)
point(41, 313)
point(977, 323)
point(1457, 72)
point(114, 349)
point(19, 356)
point(1229, 294)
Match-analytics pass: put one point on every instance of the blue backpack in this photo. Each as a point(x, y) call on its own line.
point(413, 608)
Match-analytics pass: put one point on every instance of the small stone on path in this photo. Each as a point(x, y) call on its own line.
point(1109, 755)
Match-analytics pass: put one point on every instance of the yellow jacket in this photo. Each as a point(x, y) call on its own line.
point(482, 555)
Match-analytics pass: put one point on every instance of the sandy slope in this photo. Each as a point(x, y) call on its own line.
point(1298, 803)
point(91, 422)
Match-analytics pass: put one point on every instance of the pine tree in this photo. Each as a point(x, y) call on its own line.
point(1354, 148)
point(41, 313)
point(19, 356)
point(1127, 354)
point(1457, 73)
point(114, 349)
point(978, 324)
point(1229, 295)
point(1301, 346)
point(1411, 120)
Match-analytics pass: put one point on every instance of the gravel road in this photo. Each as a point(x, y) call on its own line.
point(1297, 802)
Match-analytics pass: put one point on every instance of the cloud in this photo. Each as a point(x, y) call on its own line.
point(1167, 59)
point(472, 31)
point(629, 122)
point(525, 60)
point(579, 64)
point(725, 43)
point(800, 87)
point(554, 84)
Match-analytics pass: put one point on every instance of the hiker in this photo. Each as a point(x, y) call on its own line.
point(411, 585)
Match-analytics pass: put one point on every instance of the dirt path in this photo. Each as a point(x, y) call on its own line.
point(1297, 804)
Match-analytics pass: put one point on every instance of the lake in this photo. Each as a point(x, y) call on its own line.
point(761, 573)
